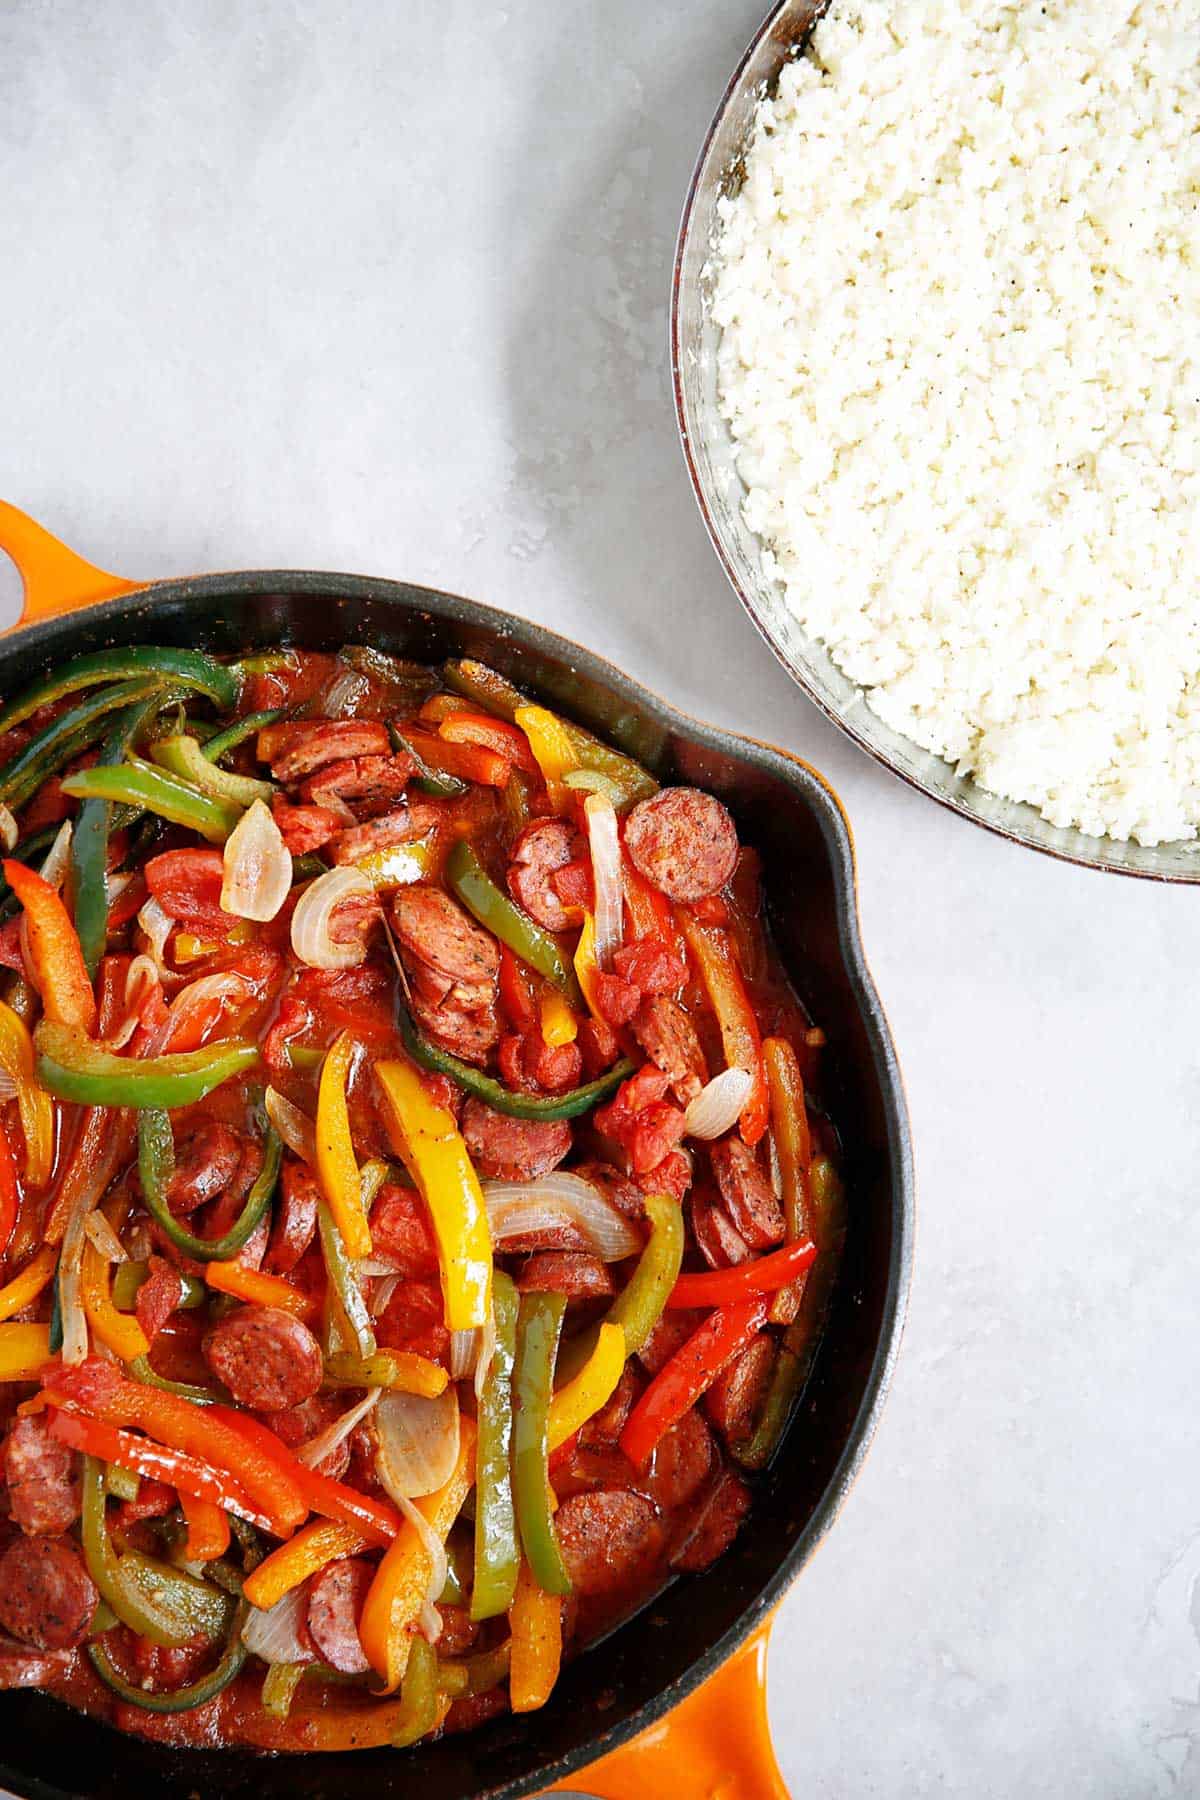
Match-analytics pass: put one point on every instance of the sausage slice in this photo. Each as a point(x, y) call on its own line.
point(46, 1594)
point(610, 1539)
point(543, 847)
point(205, 1164)
point(683, 841)
point(335, 1600)
point(42, 1479)
point(267, 1359)
point(432, 928)
point(710, 1527)
point(733, 1400)
point(669, 1039)
point(575, 1273)
point(505, 1149)
point(749, 1197)
point(683, 1461)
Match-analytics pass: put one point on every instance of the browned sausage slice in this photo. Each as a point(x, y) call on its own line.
point(683, 1462)
point(683, 841)
point(543, 847)
point(46, 1594)
point(377, 782)
point(669, 1039)
point(295, 1222)
point(434, 929)
point(610, 1539)
point(402, 1230)
point(205, 1164)
point(624, 1194)
point(267, 1359)
point(710, 1527)
point(21, 1668)
point(721, 1243)
point(748, 1195)
point(733, 1400)
point(669, 1334)
point(469, 1035)
point(575, 1273)
point(505, 1149)
point(296, 750)
point(404, 825)
point(335, 1600)
point(603, 1429)
point(42, 1479)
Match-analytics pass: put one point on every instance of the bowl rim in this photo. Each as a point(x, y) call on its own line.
point(1101, 861)
point(832, 818)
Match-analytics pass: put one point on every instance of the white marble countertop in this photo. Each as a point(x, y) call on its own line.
point(385, 289)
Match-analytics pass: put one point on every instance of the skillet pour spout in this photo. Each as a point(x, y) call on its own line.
point(700, 1647)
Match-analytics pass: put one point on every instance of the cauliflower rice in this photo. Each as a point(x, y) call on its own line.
point(958, 294)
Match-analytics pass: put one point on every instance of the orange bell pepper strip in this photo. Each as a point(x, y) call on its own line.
point(469, 762)
point(427, 1140)
point(207, 1528)
point(497, 735)
point(324, 1541)
point(18, 1060)
point(337, 1165)
point(559, 1024)
point(395, 1597)
point(711, 947)
point(203, 1432)
point(649, 913)
point(26, 1286)
point(189, 1477)
point(60, 973)
point(535, 1618)
point(377, 1519)
point(24, 1349)
point(9, 1193)
point(258, 1289)
point(550, 742)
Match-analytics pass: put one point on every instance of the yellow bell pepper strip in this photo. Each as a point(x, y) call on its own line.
point(118, 1331)
point(559, 1023)
point(23, 1351)
point(10, 1196)
point(26, 1286)
point(496, 1551)
point(337, 1166)
point(536, 1656)
point(712, 950)
point(793, 1149)
point(33, 1104)
point(574, 1403)
point(427, 1140)
point(586, 966)
point(315, 1545)
point(58, 965)
point(387, 1623)
point(401, 1371)
point(74, 1068)
point(548, 739)
point(138, 783)
point(259, 1289)
point(639, 1304)
point(279, 1688)
point(539, 1324)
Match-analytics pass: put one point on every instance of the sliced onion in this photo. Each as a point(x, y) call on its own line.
point(519, 1208)
point(8, 828)
point(487, 1349)
point(294, 1127)
point(277, 1635)
point(382, 1295)
point(58, 857)
point(464, 1348)
point(343, 694)
point(430, 1622)
point(716, 1108)
point(418, 1443)
point(326, 1442)
point(89, 1170)
point(103, 1238)
point(227, 986)
point(312, 937)
point(141, 984)
point(605, 846)
point(257, 867)
point(157, 927)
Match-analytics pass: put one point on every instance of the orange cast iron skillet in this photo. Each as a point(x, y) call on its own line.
point(673, 1703)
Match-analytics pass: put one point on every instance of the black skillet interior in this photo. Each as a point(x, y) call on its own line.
point(784, 810)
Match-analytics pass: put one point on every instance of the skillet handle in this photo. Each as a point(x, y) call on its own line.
point(716, 1745)
point(54, 578)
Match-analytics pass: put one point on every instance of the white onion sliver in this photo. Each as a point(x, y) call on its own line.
point(257, 867)
point(8, 828)
point(311, 937)
point(382, 1294)
point(439, 1562)
point(326, 1442)
point(464, 1347)
point(343, 693)
point(54, 869)
point(103, 1238)
point(487, 1349)
point(153, 921)
point(430, 1623)
point(418, 1442)
point(294, 1127)
point(516, 1208)
point(605, 846)
point(274, 1635)
point(716, 1108)
point(226, 985)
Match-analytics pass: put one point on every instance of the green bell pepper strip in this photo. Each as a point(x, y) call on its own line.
point(204, 1610)
point(458, 1570)
point(435, 782)
point(345, 1370)
point(497, 914)
point(121, 1484)
point(72, 1067)
point(139, 783)
point(143, 1613)
point(189, 668)
point(494, 694)
point(477, 1674)
point(182, 1699)
point(64, 738)
point(55, 1339)
point(183, 755)
point(89, 840)
point(307, 868)
point(263, 662)
point(156, 1162)
point(343, 1283)
point(497, 1556)
point(141, 1370)
point(539, 1324)
point(222, 742)
point(640, 1303)
point(418, 1696)
point(129, 1276)
point(279, 1688)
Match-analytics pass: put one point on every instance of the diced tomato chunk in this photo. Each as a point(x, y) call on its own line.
point(187, 885)
point(618, 1000)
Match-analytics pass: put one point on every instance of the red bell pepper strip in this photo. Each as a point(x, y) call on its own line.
point(740, 1036)
point(152, 1461)
point(469, 762)
point(718, 1287)
point(649, 914)
point(201, 1431)
point(376, 1518)
point(58, 965)
point(516, 994)
point(493, 734)
point(8, 1193)
point(693, 1368)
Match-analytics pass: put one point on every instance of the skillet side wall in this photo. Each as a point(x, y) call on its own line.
point(785, 810)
